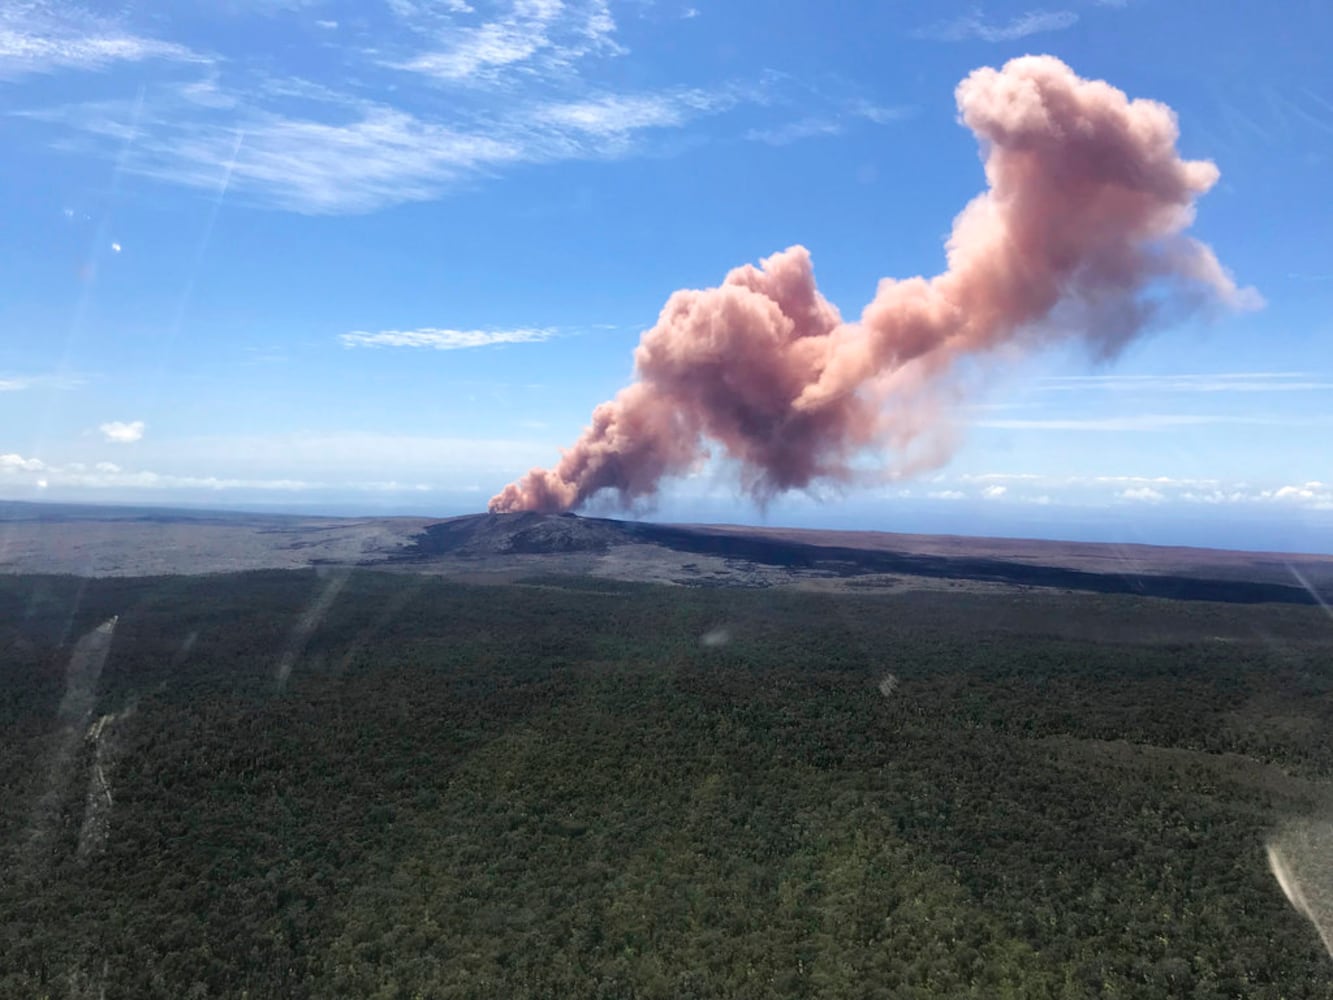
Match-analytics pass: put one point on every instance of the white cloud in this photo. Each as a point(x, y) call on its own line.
point(975, 27)
point(267, 8)
point(358, 462)
point(109, 476)
point(17, 463)
point(382, 156)
point(1312, 492)
point(814, 126)
point(804, 128)
point(1145, 488)
point(987, 477)
point(519, 86)
point(994, 492)
point(327, 25)
point(1143, 494)
point(122, 432)
point(358, 155)
point(1313, 495)
point(39, 37)
point(444, 340)
point(1087, 480)
point(618, 113)
point(1047, 479)
point(20, 383)
point(1097, 489)
point(946, 495)
point(478, 49)
point(418, 11)
point(533, 36)
point(1214, 496)
point(881, 114)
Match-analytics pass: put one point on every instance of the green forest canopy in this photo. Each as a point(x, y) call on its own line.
point(362, 784)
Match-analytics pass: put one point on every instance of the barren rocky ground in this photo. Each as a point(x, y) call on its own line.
point(93, 541)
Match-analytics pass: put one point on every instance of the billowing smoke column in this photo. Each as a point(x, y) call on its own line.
point(1080, 235)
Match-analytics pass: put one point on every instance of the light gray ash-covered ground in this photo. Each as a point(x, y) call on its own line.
point(105, 541)
point(132, 541)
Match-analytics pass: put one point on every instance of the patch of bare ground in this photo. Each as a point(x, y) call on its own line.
point(98, 799)
point(82, 674)
point(493, 548)
point(117, 547)
point(1113, 558)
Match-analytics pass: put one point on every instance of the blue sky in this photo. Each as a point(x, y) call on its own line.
point(386, 257)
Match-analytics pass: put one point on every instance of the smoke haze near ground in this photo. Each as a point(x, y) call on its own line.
point(1080, 235)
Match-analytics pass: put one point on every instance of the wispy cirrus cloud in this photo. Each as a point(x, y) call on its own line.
point(361, 157)
point(445, 340)
point(21, 383)
point(37, 37)
point(827, 124)
point(535, 37)
point(617, 114)
point(974, 26)
point(444, 96)
point(1209, 382)
point(423, 9)
point(786, 134)
point(345, 154)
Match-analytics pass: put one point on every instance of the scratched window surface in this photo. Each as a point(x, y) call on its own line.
point(624, 498)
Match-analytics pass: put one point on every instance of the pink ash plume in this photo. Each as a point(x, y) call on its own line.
point(1080, 234)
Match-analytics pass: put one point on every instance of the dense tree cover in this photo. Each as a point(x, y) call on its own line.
point(333, 784)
